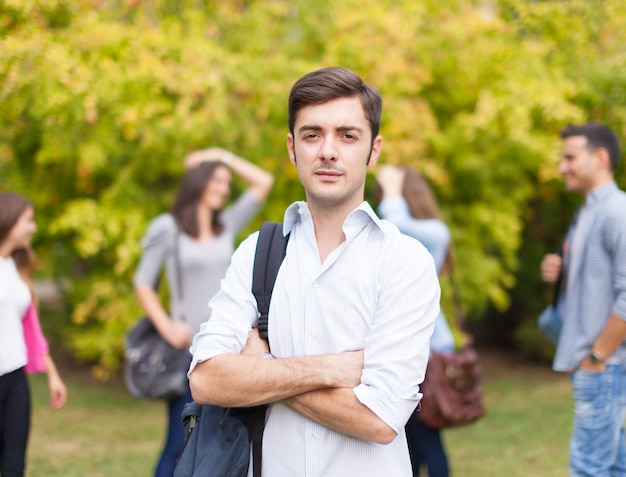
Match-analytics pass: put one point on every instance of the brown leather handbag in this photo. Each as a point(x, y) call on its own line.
point(452, 387)
point(452, 390)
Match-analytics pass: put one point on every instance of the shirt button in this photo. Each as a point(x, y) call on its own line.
point(314, 435)
point(314, 335)
point(300, 210)
point(314, 284)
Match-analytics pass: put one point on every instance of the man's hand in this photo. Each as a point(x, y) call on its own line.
point(587, 365)
point(255, 344)
point(551, 267)
point(346, 368)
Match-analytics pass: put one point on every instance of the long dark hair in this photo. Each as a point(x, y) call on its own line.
point(190, 192)
point(12, 206)
point(423, 205)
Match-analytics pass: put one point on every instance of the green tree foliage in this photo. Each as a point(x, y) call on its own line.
point(101, 100)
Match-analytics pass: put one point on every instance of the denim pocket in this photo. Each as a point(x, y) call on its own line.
point(592, 396)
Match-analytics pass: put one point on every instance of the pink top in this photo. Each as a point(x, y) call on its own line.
point(36, 344)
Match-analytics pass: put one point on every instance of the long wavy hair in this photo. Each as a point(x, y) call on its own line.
point(12, 206)
point(190, 192)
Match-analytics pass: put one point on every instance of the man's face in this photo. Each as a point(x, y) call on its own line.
point(579, 166)
point(332, 148)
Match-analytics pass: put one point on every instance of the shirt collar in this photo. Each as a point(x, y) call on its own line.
point(359, 217)
point(601, 192)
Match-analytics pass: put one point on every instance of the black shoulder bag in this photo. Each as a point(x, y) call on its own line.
point(153, 368)
point(218, 440)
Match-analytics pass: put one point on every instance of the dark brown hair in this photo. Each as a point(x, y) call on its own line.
point(598, 135)
point(331, 83)
point(190, 192)
point(12, 206)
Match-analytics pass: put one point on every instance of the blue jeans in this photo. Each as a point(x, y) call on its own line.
point(175, 435)
point(425, 448)
point(597, 444)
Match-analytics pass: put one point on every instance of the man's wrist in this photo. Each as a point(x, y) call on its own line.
point(596, 357)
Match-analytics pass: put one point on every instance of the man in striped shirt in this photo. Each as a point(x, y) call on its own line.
point(592, 301)
point(352, 310)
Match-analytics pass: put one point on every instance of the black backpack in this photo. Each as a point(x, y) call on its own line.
point(217, 440)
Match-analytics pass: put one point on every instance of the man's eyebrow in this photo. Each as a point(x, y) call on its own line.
point(315, 127)
point(349, 128)
point(309, 127)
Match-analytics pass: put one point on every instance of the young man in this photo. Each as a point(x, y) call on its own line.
point(352, 310)
point(592, 301)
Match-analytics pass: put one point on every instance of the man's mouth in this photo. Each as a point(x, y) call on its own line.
point(327, 173)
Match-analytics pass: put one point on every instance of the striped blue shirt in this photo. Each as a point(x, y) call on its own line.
point(594, 276)
point(378, 291)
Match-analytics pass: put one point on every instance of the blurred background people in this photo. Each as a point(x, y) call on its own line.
point(407, 201)
point(592, 301)
point(23, 348)
point(203, 250)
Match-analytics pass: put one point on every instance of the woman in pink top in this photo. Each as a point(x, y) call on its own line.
point(23, 347)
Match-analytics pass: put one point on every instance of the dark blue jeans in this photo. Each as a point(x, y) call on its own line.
point(426, 448)
point(14, 422)
point(175, 435)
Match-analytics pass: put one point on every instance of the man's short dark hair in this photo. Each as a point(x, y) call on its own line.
point(332, 83)
point(598, 135)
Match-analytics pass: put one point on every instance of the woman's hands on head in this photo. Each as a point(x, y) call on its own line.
point(210, 154)
point(391, 180)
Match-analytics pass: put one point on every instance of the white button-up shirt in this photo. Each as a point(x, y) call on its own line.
point(377, 291)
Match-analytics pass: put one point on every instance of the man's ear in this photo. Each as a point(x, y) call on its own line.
point(290, 149)
point(377, 147)
point(604, 158)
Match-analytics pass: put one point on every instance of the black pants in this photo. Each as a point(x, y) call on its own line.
point(14, 422)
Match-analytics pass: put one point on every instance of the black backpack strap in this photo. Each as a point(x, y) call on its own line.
point(270, 252)
point(256, 425)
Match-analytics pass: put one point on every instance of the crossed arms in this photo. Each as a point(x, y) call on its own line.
point(367, 394)
point(318, 387)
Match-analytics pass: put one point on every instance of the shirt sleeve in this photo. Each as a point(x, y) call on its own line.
point(433, 233)
point(397, 345)
point(36, 343)
point(233, 309)
point(617, 243)
point(156, 245)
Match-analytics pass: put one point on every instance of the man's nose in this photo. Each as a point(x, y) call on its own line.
point(328, 150)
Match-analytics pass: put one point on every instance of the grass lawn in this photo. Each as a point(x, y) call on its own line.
point(103, 431)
